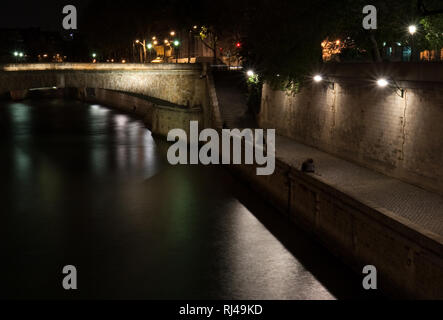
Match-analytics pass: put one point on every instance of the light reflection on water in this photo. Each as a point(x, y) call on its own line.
point(85, 185)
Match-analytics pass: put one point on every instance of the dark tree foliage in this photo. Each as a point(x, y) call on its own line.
point(283, 37)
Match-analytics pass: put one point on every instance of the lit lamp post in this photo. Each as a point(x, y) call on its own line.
point(192, 32)
point(143, 44)
point(149, 46)
point(412, 30)
point(176, 45)
point(94, 56)
point(165, 43)
point(18, 55)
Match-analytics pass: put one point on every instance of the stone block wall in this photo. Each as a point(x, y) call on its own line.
point(159, 119)
point(179, 84)
point(371, 126)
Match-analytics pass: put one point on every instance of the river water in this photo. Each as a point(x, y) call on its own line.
point(87, 186)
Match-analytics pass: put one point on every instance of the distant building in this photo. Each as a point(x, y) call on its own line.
point(347, 51)
point(431, 55)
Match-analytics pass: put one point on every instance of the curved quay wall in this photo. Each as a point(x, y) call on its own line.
point(166, 96)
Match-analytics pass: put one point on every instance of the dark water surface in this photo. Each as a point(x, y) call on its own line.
point(87, 186)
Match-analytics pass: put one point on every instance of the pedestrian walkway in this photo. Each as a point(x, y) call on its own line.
point(421, 207)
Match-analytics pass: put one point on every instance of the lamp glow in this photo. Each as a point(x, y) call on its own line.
point(382, 82)
point(412, 29)
point(318, 78)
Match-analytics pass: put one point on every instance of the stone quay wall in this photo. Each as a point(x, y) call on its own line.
point(378, 128)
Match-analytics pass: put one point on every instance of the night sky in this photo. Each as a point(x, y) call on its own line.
point(46, 14)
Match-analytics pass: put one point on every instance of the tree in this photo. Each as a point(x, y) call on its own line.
point(282, 39)
point(432, 31)
point(423, 6)
point(218, 20)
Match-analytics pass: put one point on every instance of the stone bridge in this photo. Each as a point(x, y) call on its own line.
point(166, 96)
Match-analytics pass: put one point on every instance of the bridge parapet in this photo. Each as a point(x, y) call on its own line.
point(176, 83)
point(165, 95)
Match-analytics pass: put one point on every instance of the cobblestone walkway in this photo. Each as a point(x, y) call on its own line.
point(421, 207)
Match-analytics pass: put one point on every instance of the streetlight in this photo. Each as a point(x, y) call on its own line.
point(172, 33)
point(149, 46)
point(143, 44)
point(318, 78)
point(382, 82)
point(412, 29)
point(250, 73)
point(176, 45)
point(17, 55)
